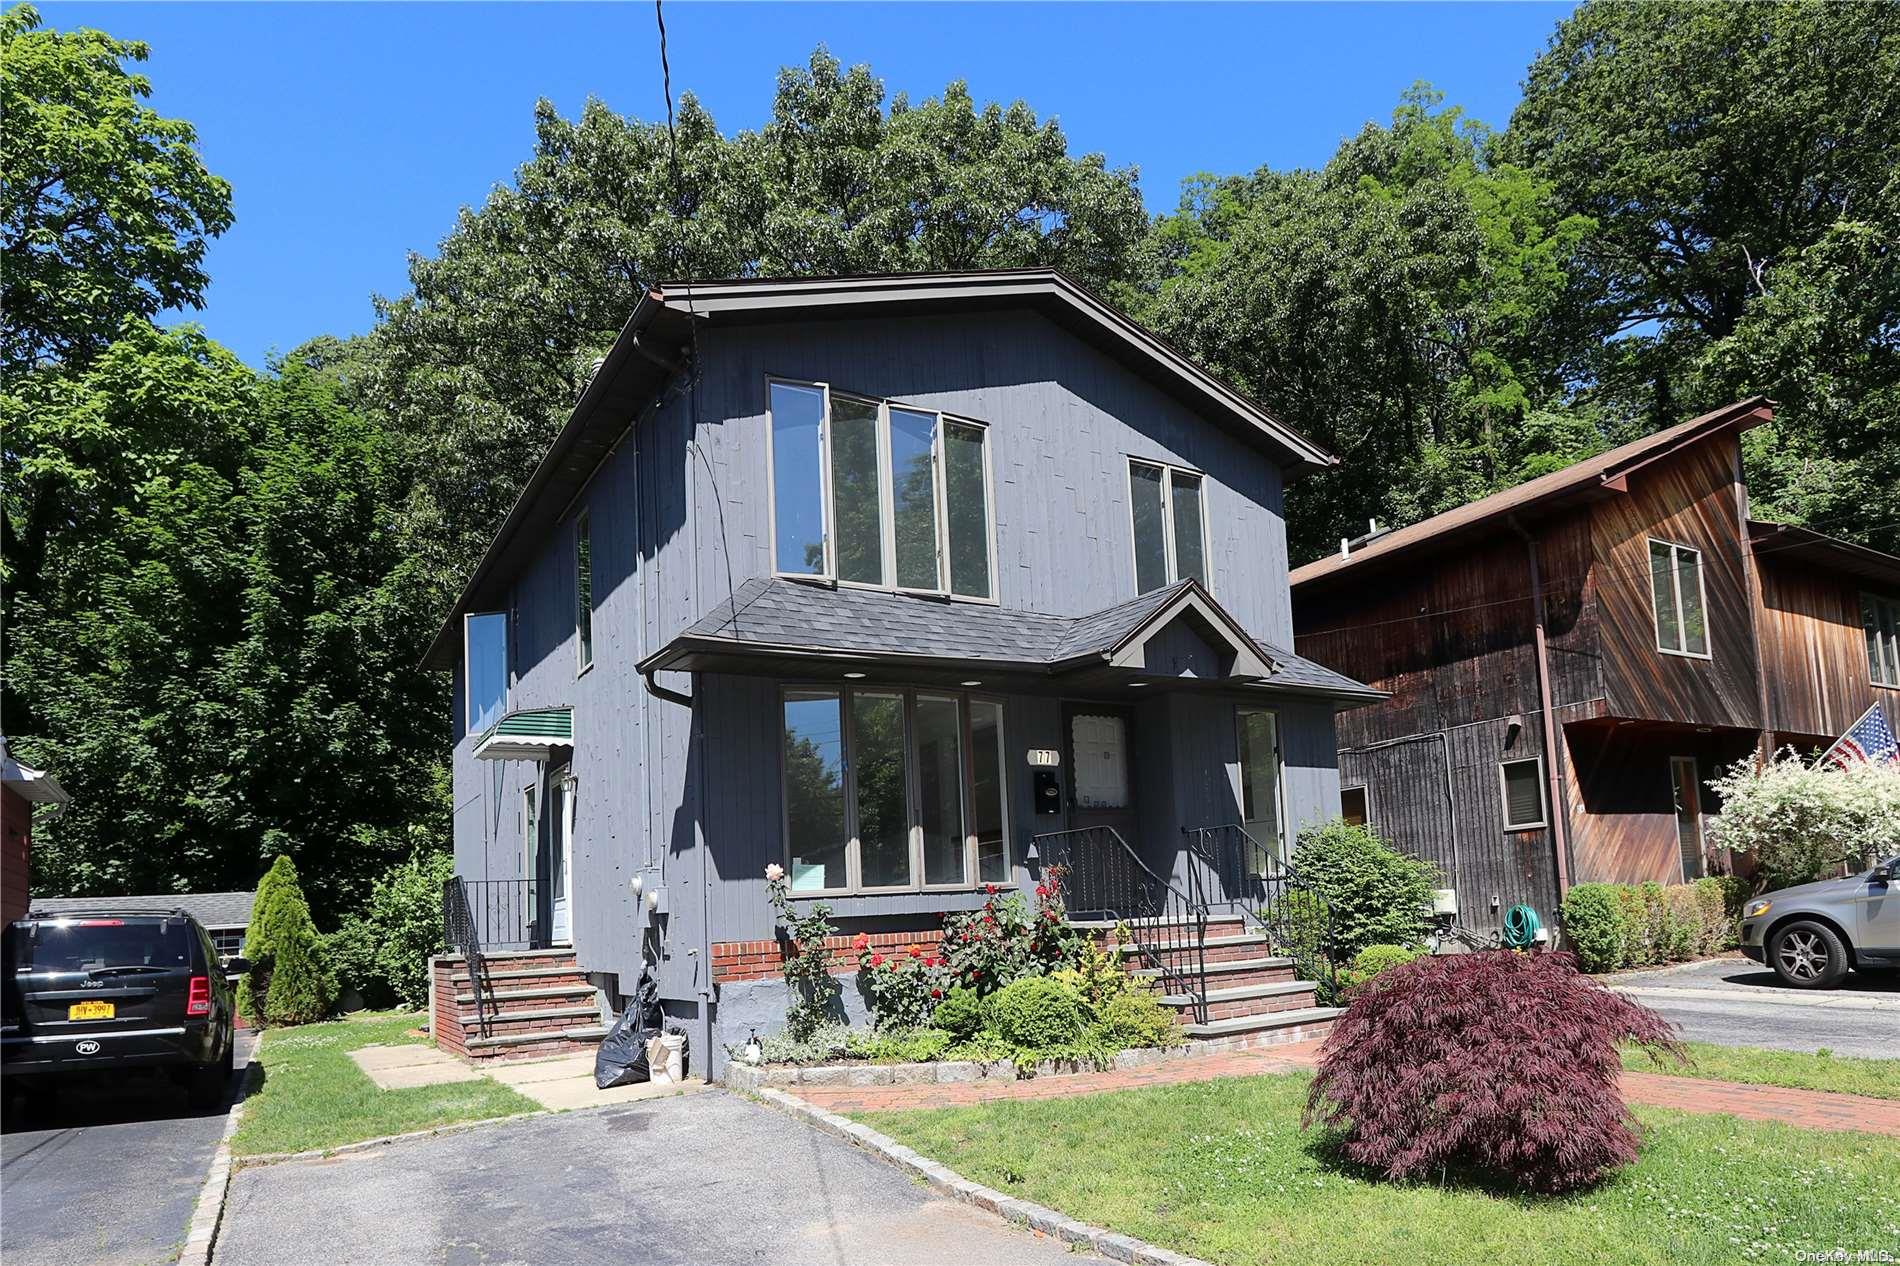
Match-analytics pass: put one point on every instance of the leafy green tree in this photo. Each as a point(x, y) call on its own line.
point(1410, 305)
point(105, 205)
point(478, 364)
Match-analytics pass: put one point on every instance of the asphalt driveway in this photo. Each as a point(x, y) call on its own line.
point(701, 1179)
point(105, 1173)
point(1734, 1002)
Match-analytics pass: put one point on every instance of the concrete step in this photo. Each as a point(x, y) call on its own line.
point(559, 951)
point(1234, 971)
point(504, 996)
point(548, 975)
point(588, 1035)
point(1239, 993)
point(502, 1019)
point(1291, 1026)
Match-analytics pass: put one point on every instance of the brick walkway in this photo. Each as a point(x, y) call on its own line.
point(1808, 1109)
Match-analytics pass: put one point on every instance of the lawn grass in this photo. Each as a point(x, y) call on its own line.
point(1221, 1170)
point(1799, 1070)
point(314, 1095)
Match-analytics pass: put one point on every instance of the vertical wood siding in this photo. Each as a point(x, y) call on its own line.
point(1814, 652)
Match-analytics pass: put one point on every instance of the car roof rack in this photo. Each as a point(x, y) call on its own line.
point(112, 912)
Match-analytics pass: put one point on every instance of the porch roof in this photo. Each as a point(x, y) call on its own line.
point(770, 623)
point(528, 734)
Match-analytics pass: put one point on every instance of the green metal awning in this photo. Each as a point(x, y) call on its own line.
point(527, 735)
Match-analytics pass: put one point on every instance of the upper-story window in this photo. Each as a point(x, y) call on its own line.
point(867, 492)
point(485, 668)
point(1675, 582)
point(584, 592)
point(1880, 617)
point(1170, 539)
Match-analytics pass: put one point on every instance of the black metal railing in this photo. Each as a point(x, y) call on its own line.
point(1102, 878)
point(481, 916)
point(1251, 880)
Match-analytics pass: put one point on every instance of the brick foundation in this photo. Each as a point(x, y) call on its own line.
point(762, 960)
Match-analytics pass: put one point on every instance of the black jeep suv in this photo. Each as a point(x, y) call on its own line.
point(109, 991)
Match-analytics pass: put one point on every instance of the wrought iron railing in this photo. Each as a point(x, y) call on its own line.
point(1102, 878)
point(1250, 879)
point(481, 916)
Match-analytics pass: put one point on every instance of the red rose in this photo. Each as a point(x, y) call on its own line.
point(859, 942)
point(916, 951)
point(936, 993)
point(877, 960)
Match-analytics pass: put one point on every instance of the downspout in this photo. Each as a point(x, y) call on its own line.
point(1559, 814)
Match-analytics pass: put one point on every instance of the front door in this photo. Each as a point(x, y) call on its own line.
point(560, 819)
point(1260, 809)
point(1686, 783)
point(1100, 742)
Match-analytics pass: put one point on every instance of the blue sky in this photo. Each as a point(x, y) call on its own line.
point(354, 132)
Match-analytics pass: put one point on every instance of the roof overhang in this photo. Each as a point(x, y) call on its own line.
point(1794, 544)
point(29, 783)
point(1593, 479)
point(529, 734)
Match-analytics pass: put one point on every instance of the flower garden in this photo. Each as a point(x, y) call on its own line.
point(1010, 986)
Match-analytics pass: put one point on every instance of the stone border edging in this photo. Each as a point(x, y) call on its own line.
point(201, 1233)
point(947, 1182)
point(752, 1078)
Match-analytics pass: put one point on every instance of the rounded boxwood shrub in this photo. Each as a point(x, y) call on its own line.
point(959, 1014)
point(1596, 926)
point(1135, 1018)
point(1496, 1065)
point(1373, 959)
point(1036, 1011)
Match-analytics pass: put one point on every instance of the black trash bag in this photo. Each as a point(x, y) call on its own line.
point(622, 1058)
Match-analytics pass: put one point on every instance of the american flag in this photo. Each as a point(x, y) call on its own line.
point(1868, 741)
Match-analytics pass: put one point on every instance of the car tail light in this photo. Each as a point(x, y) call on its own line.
point(198, 1001)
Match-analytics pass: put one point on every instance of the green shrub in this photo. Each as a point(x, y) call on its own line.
point(1596, 926)
point(960, 1014)
point(1097, 976)
point(1036, 1011)
point(298, 985)
point(1372, 960)
point(1636, 950)
point(350, 954)
point(405, 917)
point(911, 1046)
point(1800, 821)
point(279, 915)
point(1136, 1018)
point(1376, 894)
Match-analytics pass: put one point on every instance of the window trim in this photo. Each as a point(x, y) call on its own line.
point(1504, 795)
point(1886, 648)
point(966, 768)
point(583, 646)
point(887, 507)
point(468, 676)
point(1365, 789)
point(1701, 834)
point(530, 828)
point(1675, 586)
point(1168, 471)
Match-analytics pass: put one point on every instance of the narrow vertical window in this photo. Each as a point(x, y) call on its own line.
point(1354, 806)
point(1151, 526)
point(814, 791)
point(798, 503)
point(914, 498)
point(989, 824)
point(940, 791)
point(1260, 813)
point(1676, 589)
point(484, 668)
point(1523, 786)
point(967, 509)
point(1880, 620)
point(880, 778)
point(584, 591)
point(857, 500)
point(1190, 551)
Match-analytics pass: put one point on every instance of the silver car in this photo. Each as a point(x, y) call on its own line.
point(1812, 934)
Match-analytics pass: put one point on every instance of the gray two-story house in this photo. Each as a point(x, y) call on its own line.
point(908, 585)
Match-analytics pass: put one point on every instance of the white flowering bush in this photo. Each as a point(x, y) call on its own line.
point(1800, 822)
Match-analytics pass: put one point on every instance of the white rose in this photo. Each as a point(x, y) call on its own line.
point(774, 872)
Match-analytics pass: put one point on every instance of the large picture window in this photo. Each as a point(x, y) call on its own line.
point(484, 668)
point(891, 791)
point(1675, 581)
point(1880, 617)
point(868, 492)
point(1170, 537)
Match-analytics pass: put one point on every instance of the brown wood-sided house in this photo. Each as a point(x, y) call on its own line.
point(1603, 639)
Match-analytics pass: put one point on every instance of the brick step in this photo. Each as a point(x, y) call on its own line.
point(524, 960)
point(507, 1018)
point(1266, 1030)
point(1242, 993)
point(1215, 949)
point(1230, 974)
point(547, 976)
point(501, 997)
point(1261, 1004)
point(1217, 925)
point(550, 1042)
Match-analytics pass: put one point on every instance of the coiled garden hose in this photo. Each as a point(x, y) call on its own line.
point(1521, 926)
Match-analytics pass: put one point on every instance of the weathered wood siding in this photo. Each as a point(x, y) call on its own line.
point(1692, 498)
point(1814, 652)
point(1622, 799)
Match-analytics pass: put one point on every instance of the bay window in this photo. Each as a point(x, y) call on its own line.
point(1170, 540)
point(893, 791)
point(867, 492)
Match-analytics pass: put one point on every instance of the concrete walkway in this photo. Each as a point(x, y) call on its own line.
point(565, 1081)
point(1806, 1109)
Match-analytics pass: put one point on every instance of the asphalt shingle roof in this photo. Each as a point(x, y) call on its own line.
point(771, 613)
point(213, 909)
